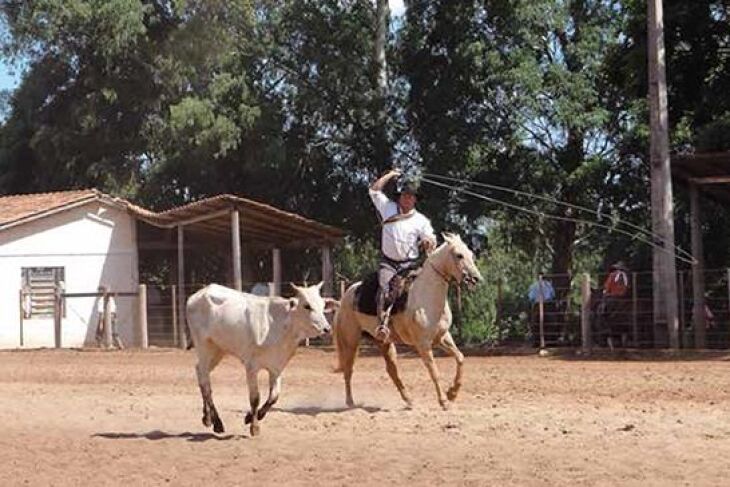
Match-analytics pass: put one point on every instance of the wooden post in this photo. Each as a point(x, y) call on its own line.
point(541, 310)
point(727, 276)
point(634, 310)
point(343, 288)
point(182, 336)
point(107, 321)
point(276, 271)
point(236, 250)
point(585, 313)
point(498, 309)
point(327, 270)
point(665, 279)
point(698, 268)
point(682, 311)
point(173, 300)
point(57, 316)
point(142, 335)
point(22, 315)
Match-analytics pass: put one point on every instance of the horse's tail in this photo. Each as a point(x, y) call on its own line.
point(346, 332)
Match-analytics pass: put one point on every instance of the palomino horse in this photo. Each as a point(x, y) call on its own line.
point(423, 324)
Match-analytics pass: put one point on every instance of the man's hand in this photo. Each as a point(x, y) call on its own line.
point(428, 244)
point(380, 183)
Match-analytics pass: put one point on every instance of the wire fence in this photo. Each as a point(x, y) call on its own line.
point(554, 311)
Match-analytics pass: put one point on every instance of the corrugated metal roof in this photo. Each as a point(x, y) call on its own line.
point(686, 168)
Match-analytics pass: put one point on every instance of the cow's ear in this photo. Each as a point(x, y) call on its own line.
point(295, 287)
point(319, 286)
point(293, 302)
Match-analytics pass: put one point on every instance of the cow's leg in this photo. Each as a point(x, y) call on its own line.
point(447, 344)
point(274, 390)
point(427, 357)
point(390, 355)
point(208, 357)
point(253, 396)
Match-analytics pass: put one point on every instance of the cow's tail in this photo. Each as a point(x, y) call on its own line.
point(196, 306)
point(346, 332)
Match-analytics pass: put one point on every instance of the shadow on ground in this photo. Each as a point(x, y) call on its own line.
point(162, 435)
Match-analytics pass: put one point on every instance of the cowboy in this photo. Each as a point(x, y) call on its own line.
point(405, 230)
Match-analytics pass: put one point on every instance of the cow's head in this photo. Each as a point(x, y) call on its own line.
point(308, 308)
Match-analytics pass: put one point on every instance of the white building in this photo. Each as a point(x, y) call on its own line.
point(82, 239)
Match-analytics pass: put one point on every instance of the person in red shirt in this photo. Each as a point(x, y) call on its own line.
point(615, 290)
point(616, 284)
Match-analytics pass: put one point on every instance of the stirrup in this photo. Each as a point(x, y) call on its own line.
point(382, 332)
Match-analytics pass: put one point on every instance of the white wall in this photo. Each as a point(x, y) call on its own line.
point(95, 244)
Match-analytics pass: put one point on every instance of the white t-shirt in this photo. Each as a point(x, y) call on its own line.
point(400, 238)
point(100, 305)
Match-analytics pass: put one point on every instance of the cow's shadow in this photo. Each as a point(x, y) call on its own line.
point(162, 435)
point(317, 410)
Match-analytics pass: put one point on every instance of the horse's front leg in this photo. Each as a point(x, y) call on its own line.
point(427, 357)
point(447, 344)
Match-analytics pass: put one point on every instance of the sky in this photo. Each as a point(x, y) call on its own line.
point(10, 77)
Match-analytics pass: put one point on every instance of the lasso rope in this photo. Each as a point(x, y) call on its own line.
point(643, 235)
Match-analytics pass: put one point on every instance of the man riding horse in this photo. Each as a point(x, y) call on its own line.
point(404, 231)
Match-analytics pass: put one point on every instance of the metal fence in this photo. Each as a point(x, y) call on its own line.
point(575, 314)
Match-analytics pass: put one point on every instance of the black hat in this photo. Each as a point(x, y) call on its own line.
point(408, 185)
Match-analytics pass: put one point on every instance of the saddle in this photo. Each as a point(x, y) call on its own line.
point(400, 284)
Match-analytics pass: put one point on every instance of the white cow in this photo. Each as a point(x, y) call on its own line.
point(263, 332)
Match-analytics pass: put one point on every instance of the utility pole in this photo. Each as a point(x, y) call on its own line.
point(665, 273)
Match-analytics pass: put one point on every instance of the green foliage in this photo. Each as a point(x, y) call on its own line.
point(355, 259)
point(715, 136)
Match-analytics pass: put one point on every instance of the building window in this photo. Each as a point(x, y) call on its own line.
point(39, 284)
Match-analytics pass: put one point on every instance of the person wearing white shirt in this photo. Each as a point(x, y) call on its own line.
point(404, 231)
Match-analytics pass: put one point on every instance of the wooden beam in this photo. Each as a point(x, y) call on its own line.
point(709, 180)
point(182, 336)
point(276, 271)
point(327, 271)
point(698, 272)
point(236, 250)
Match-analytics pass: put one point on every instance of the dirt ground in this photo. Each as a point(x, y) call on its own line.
point(133, 418)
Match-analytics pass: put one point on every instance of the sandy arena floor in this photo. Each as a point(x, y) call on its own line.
point(133, 418)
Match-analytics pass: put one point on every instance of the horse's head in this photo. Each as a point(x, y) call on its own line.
point(457, 260)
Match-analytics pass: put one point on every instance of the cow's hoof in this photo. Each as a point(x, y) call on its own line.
point(444, 405)
point(452, 393)
point(249, 418)
point(255, 430)
point(350, 403)
point(206, 421)
point(218, 426)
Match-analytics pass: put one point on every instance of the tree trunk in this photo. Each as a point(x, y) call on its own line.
point(381, 144)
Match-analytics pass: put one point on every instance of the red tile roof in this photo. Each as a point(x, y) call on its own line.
point(21, 206)
point(269, 222)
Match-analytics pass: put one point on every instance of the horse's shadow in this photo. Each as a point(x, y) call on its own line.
point(162, 435)
point(317, 410)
